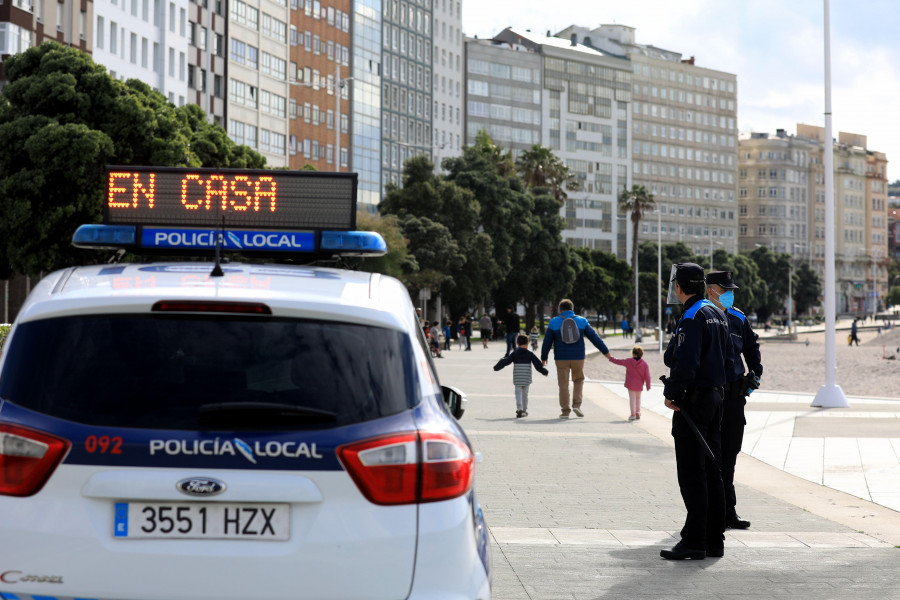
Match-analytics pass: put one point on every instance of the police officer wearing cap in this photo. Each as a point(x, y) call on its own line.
point(696, 356)
point(744, 341)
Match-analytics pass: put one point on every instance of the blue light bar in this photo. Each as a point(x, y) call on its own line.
point(354, 243)
point(104, 236)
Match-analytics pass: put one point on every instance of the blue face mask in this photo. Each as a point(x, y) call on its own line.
point(727, 299)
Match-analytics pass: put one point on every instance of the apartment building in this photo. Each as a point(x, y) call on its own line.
point(782, 206)
point(208, 57)
point(447, 59)
point(406, 106)
point(320, 84)
point(27, 23)
point(146, 40)
point(684, 139)
point(504, 89)
point(584, 119)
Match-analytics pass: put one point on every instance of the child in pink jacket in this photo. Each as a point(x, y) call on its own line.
point(637, 375)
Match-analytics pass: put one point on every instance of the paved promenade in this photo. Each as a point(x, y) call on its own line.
point(579, 508)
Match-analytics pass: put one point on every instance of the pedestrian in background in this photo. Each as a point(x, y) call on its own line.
point(565, 334)
point(637, 375)
point(625, 327)
point(698, 358)
point(486, 327)
point(461, 331)
point(468, 326)
point(853, 334)
point(523, 359)
point(745, 347)
point(448, 334)
point(512, 329)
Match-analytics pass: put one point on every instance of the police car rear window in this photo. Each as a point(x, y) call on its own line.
point(208, 373)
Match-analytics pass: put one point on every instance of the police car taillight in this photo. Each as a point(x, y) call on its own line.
point(27, 459)
point(410, 468)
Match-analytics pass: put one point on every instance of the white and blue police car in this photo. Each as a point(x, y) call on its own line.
point(212, 430)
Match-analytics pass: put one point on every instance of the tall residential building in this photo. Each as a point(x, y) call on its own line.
point(27, 23)
point(503, 93)
point(366, 101)
point(406, 107)
point(319, 75)
point(446, 114)
point(146, 40)
point(683, 137)
point(584, 96)
point(775, 212)
point(256, 112)
point(207, 57)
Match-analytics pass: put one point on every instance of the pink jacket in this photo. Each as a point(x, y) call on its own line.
point(637, 372)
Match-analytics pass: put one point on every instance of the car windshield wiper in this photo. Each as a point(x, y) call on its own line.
point(255, 415)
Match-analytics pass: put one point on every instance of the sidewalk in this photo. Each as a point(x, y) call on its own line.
point(580, 508)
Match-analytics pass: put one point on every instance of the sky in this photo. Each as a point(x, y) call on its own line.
point(775, 47)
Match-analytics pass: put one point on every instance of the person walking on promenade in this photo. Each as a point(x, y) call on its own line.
point(512, 329)
point(853, 334)
point(698, 358)
point(448, 334)
point(565, 334)
point(637, 375)
point(461, 330)
point(625, 328)
point(523, 359)
point(534, 336)
point(486, 327)
point(468, 326)
point(745, 348)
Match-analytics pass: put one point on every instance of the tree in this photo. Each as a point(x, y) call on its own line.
point(398, 262)
point(807, 289)
point(63, 119)
point(636, 201)
point(441, 221)
point(772, 295)
point(539, 167)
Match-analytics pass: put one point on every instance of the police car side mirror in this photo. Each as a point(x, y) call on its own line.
point(455, 400)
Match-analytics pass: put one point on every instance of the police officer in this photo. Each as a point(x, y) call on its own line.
point(696, 357)
point(744, 341)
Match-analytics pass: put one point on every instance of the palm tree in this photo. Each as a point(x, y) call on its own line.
point(539, 167)
point(637, 200)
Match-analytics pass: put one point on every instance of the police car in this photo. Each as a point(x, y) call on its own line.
point(215, 430)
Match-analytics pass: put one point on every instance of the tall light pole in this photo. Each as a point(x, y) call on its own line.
point(829, 395)
point(659, 328)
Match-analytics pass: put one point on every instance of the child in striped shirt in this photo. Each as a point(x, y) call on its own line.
point(522, 359)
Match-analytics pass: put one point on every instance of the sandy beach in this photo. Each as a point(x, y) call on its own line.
point(871, 369)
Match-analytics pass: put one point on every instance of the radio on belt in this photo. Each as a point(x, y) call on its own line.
point(177, 210)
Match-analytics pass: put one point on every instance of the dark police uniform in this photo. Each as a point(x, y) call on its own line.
point(696, 356)
point(744, 342)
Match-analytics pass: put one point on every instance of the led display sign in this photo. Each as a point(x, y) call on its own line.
point(255, 199)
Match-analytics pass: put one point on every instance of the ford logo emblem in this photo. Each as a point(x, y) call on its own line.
point(200, 486)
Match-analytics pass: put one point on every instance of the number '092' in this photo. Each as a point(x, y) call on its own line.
point(103, 444)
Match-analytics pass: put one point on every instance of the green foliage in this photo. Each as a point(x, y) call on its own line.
point(398, 262)
point(63, 119)
point(4, 331)
point(807, 289)
point(893, 297)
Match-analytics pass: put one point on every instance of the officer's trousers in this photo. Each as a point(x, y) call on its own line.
point(733, 422)
point(699, 477)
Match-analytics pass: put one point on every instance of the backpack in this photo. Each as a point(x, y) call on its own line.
point(569, 332)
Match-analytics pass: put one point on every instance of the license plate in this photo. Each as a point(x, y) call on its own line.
point(202, 520)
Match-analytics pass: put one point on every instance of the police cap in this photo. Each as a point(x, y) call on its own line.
point(688, 273)
point(721, 278)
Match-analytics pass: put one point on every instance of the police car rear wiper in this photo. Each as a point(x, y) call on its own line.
point(249, 415)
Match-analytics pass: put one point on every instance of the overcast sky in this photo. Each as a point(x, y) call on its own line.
point(775, 47)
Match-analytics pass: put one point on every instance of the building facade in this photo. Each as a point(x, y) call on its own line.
point(584, 117)
point(406, 99)
point(26, 23)
point(783, 203)
point(684, 139)
point(447, 93)
point(320, 85)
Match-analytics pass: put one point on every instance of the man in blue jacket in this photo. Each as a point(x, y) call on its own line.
point(566, 333)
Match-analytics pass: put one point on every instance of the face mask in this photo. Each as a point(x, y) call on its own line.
point(727, 299)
